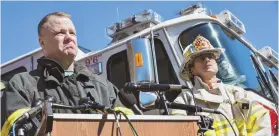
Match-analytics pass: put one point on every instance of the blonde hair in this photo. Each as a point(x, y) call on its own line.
point(46, 18)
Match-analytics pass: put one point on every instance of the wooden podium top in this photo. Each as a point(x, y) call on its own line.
point(109, 117)
point(105, 125)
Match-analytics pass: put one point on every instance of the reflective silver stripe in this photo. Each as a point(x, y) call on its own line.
point(2, 86)
point(258, 108)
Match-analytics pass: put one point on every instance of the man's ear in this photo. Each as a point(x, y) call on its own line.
point(41, 42)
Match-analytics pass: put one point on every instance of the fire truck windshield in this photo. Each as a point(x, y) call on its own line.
point(235, 65)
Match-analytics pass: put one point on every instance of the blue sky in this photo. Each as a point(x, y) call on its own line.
point(19, 21)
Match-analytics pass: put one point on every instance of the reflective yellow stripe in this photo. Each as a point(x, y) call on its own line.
point(125, 110)
point(210, 133)
point(253, 117)
point(249, 133)
point(224, 130)
point(222, 127)
point(251, 122)
point(240, 124)
point(224, 122)
point(10, 121)
point(220, 132)
point(241, 128)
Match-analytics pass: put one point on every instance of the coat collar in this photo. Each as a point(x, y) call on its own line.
point(202, 91)
point(53, 71)
point(199, 84)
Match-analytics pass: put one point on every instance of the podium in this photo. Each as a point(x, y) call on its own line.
point(105, 125)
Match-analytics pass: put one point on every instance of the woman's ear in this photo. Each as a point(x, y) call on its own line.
point(193, 71)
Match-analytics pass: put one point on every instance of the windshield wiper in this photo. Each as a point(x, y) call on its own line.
point(265, 80)
point(274, 78)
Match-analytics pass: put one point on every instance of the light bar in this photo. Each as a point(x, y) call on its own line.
point(146, 16)
point(194, 9)
point(231, 21)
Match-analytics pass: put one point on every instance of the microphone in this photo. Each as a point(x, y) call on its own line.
point(37, 102)
point(36, 109)
point(86, 103)
point(31, 113)
point(129, 101)
point(192, 108)
point(149, 87)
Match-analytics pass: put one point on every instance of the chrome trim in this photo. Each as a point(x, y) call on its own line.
point(176, 57)
point(154, 56)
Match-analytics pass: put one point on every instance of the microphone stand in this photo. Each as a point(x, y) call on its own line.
point(163, 102)
point(49, 117)
point(205, 123)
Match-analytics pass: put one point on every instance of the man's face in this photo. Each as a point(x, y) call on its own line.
point(58, 38)
point(205, 66)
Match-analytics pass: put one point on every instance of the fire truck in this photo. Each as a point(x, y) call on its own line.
point(145, 48)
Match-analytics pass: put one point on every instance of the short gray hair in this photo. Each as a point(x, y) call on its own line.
point(45, 19)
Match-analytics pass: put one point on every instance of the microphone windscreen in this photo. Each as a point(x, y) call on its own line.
point(37, 102)
point(127, 99)
point(50, 99)
point(129, 87)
